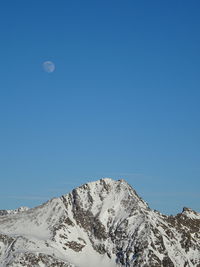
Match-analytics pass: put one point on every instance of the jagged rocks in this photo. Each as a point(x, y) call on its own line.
point(36, 260)
point(102, 224)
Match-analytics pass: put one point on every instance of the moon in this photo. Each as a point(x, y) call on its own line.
point(49, 66)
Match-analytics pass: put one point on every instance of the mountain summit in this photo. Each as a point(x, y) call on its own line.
point(99, 224)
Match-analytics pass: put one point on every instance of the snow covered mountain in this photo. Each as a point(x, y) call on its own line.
point(100, 224)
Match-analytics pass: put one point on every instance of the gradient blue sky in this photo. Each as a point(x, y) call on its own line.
point(122, 103)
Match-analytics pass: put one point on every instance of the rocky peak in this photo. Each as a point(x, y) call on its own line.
point(188, 211)
point(107, 189)
point(101, 223)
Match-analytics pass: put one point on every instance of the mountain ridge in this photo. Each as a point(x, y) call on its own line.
point(101, 223)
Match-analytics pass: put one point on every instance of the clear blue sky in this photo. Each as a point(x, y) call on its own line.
point(123, 101)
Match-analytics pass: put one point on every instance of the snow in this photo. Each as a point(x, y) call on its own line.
point(53, 230)
point(191, 214)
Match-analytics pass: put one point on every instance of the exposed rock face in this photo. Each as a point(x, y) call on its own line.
point(102, 224)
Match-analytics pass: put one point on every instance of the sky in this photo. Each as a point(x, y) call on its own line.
point(123, 101)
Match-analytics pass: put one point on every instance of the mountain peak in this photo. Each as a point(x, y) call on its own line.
point(101, 223)
point(190, 213)
point(106, 192)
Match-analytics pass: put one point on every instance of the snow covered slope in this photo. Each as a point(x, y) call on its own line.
point(100, 224)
